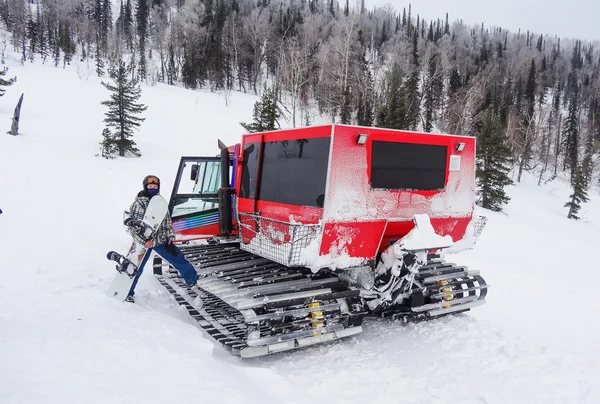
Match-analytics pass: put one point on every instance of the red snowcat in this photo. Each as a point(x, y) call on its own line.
point(301, 233)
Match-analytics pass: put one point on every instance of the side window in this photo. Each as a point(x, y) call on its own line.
point(185, 205)
point(400, 166)
point(193, 171)
point(197, 188)
point(295, 171)
point(208, 178)
point(249, 170)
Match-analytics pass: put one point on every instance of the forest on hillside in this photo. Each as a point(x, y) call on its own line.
point(532, 100)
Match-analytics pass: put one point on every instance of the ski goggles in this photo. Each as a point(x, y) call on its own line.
point(152, 180)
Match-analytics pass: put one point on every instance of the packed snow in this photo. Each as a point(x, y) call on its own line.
point(62, 340)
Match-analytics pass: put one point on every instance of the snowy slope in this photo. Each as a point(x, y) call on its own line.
point(63, 341)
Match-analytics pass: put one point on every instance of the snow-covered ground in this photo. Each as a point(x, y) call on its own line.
point(62, 340)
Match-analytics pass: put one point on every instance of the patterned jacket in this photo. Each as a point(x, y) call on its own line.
point(165, 231)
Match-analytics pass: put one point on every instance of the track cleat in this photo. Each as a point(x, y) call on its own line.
point(317, 317)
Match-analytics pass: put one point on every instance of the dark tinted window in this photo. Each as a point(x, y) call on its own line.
point(249, 170)
point(295, 171)
point(408, 166)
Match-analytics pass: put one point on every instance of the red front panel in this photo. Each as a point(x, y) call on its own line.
point(354, 240)
point(443, 226)
point(289, 213)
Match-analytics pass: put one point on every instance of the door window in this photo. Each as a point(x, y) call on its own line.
point(197, 186)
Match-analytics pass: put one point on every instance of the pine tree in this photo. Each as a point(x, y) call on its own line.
point(579, 194)
point(142, 15)
point(5, 83)
point(530, 88)
point(171, 69)
point(528, 121)
point(127, 24)
point(109, 150)
point(493, 162)
point(266, 113)
point(33, 27)
point(433, 91)
point(577, 58)
point(411, 89)
point(393, 113)
point(122, 111)
point(587, 165)
point(346, 108)
point(446, 26)
point(364, 115)
point(214, 54)
point(570, 138)
point(56, 50)
point(430, 32)
point(66, 44)
point(594, 118)
point(188, 67)
point(43, 45)
point(98, 56)
point(105, 25)
point(455, 83)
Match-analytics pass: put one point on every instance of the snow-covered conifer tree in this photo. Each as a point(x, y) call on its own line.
point(123, 110)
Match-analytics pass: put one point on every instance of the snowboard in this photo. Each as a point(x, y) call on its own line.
point(153, 217)
point(127, 266)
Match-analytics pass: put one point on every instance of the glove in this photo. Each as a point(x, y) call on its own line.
point(172, 249)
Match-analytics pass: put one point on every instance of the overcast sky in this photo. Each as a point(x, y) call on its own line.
point(566, 18)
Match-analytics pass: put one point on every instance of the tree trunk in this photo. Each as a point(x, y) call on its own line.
point(546, 152)
point(570, 214)
point(523, 159)
point(14, 130)
point(557, 145)
point(162, 64)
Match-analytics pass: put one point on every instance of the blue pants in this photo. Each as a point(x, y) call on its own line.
point(185, 268)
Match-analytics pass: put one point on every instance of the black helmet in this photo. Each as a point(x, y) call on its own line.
point(150, 179)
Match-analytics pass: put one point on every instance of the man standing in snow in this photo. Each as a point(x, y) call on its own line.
point(164, 240)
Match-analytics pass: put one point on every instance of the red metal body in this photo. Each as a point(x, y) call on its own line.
point(358, 220)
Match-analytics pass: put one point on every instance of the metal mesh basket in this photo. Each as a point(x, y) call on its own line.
point(283, 242)
point(478, 226)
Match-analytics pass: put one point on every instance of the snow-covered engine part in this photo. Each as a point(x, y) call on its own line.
point(394, 278)
point(410, 282)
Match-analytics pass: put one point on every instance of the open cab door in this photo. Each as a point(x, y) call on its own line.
point(194, 203)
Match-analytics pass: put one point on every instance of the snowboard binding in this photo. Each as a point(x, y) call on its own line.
point(139, 228)
point(123, 264)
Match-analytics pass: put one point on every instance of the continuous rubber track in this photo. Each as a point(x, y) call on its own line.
point(254, 306)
